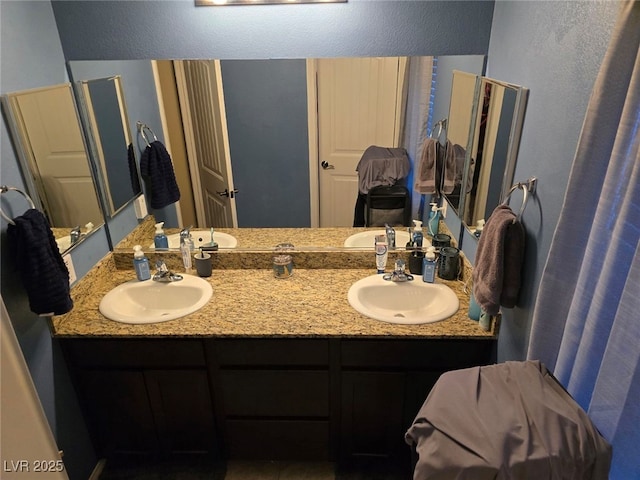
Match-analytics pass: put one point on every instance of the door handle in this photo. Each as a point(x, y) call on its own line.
point(227, 193)
point(326, 165)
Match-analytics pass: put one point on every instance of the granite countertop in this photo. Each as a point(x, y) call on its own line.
point(250, 302)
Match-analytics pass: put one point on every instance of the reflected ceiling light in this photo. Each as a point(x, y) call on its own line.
point(219, 3)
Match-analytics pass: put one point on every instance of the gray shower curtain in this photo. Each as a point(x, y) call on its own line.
point(586, 322)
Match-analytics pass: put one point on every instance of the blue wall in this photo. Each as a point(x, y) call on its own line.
point(555, 49)
point(32, 57)
point(266, 104)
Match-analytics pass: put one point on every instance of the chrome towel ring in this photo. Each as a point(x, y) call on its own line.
point(527, 187)
point(4, 189)
point(141, 128)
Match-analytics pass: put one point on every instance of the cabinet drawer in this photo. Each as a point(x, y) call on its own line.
point(134, 353)
point(275, 393)
point(272, 352)
point(434, 354)
point(278, 439)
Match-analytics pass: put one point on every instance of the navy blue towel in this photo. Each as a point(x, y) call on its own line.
point(157, 169)
point(44, 273)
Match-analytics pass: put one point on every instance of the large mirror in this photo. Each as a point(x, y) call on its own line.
point(50, 144)
point(268, 128)
point(493, 112)
point(104, 115)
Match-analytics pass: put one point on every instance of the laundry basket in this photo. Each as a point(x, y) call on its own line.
point(508, 421)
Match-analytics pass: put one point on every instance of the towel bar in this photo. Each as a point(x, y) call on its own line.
point(4, 189)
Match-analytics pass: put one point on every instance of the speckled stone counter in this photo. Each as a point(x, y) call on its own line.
point(250, 302)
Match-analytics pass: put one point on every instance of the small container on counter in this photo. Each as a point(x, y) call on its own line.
point(282, 266)
point(449, 263)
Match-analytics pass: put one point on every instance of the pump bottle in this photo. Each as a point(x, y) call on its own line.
point(141, 264)
point(429, 266)
point(434, 219)
point(417, 234)
point(160, 240)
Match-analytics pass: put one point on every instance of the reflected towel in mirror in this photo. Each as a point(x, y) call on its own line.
point(156, 167)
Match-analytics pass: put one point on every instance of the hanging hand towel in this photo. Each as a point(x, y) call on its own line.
point(157, 168)
point(453, 167)
point(44, 273)
point(496, 275)
point(425, 182)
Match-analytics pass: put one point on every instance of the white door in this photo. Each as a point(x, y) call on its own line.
point(359, 104)
point(58, 152)
point(204, 118)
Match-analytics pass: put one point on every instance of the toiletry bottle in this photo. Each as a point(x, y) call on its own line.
point(141, 264)
point(434, 219)
point(417, 234)
point(381, 252)
point(160, 240)
point(429, 266)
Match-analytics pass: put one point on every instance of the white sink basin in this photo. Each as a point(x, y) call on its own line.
point(368, 239)
point(153, 302)
point(203, 237)
point(413, 302)
point(63, 243)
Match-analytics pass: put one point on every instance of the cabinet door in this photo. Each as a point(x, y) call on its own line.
point(182, 408)
point(118, 412)
point(372, 414)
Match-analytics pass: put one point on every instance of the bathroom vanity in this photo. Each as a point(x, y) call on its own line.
point(268, 369)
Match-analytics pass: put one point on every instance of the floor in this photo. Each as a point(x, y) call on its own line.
point(251, 470)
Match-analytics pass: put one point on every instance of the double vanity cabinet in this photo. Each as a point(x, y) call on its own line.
point(278, 369)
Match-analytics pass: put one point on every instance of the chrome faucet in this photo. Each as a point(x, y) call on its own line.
point(398, 274)
point(75, 235)
point(391, 236)
point(185, 233)
point(163, 274)
point(185, 237)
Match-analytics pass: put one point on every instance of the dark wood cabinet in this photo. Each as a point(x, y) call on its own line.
point(261, 398)
point(145, 398)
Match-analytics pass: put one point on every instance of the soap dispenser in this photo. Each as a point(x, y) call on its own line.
point(160, 241)
point(141, 264)
point(434, 219)
point(429, 266)
point(417, 234)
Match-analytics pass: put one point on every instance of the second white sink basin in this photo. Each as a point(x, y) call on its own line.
point(203, 237)
point(413, 302)
point(367, 239)
point(153, 302)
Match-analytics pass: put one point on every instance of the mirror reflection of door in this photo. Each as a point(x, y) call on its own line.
point(359, 104)
point(201, 97)
point(58, 158)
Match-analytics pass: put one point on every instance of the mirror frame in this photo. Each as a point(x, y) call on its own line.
point(515, 133)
